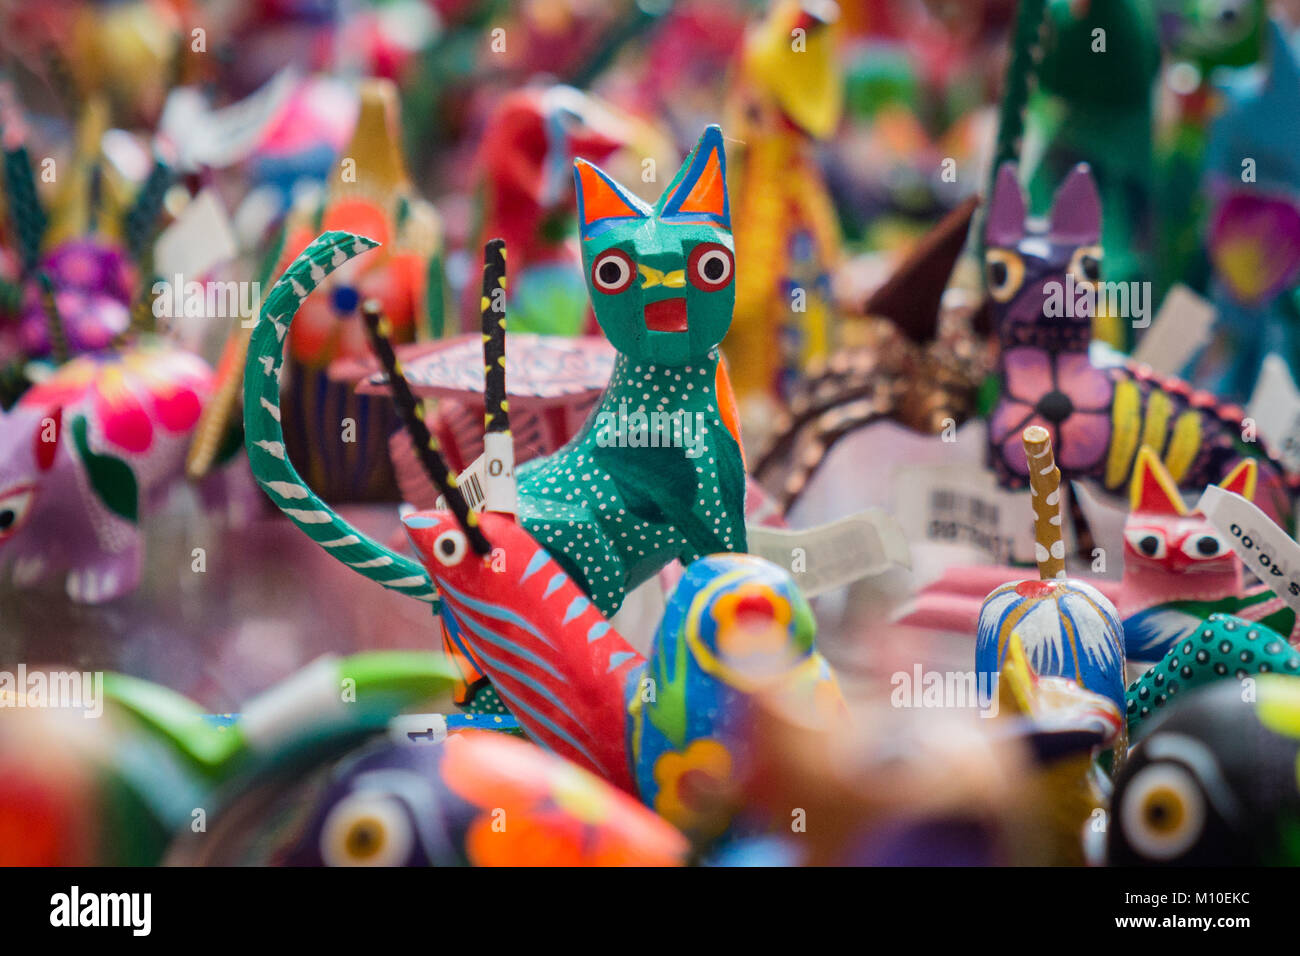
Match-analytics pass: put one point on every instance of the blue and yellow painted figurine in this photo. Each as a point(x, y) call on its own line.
point(736, 628)
point(1067, 627)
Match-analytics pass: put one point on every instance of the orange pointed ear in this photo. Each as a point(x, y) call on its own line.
point(1241, 480)
point(1153, 491)
point(699, 191)
point(601, 201)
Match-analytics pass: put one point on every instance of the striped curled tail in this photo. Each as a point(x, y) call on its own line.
point(264, 437)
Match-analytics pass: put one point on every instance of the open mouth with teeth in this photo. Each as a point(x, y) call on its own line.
point(666, 315)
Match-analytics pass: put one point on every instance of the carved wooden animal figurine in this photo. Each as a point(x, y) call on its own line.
point(84, 455)
point(1044, 286)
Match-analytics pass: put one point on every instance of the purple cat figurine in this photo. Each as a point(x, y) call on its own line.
point(1045, 282)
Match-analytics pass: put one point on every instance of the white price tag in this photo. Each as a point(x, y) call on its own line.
point(1275, 409)
point(1180, 330)
point(416, 729)
point(499, 472)
point(1264, 547)
point(200, 240)
point(471, 485)
point(834, 555)
point(489, 483)
point(964, 507)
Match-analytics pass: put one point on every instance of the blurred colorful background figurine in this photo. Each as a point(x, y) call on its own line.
point(956, 606)
point(1098, 412)
point(1066, 627)
point(1213, 783)
point(788, 96)
point(1252, 181)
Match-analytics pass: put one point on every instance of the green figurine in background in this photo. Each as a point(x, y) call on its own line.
point(1093, 103)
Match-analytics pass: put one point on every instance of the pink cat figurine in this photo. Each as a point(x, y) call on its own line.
point(1177, 572)
point(83, 454)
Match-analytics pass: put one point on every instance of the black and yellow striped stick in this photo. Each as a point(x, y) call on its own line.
point(411, 411)
point(501, 494)
point(496, 415)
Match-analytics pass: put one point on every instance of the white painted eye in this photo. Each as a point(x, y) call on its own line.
point(1163, 811)
point(366, 830)
point(1148, 542)
point(450, 547)
point(1204, 546)
point(14, 506)
point(612, 271)
point(710, 266)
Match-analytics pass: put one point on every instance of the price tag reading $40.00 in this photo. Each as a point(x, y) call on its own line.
point(1264, 547)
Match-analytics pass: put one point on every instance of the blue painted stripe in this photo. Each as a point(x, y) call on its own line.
point(493, 611)
point(535, 564)
point(497, 640)
point(502, 722)
point(419, 521)
point(553, 585)
point(576, 608)
point(531, 714)
point(598, 630)
point(616, 659)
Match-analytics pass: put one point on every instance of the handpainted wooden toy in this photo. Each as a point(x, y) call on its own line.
point(1211, 46)
point(1213, 781)
point(1252, 178)
point(477, 799)
point(736, 630)
point(84, 455)
point(1223, 646)
point(933, 787)
point(1178, 570)
point(525, 160)
point(920, 365)
point(79, 793)
point(1044, 285)
point(511, 608)
point(618, 502)
point(80, 279)
point(735, 626)
point(1066, 727)
point(1085, 95)
point(789, 97)
point(372, 196)
point(1067, 627)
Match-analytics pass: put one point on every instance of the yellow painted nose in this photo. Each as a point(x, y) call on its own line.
point(652, 277)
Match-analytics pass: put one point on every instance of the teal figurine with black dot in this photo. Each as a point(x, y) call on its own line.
point(1225, 646)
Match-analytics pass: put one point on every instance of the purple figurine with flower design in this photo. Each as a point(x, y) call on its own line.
point(1099, 410)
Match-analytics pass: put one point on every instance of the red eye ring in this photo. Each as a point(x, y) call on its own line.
point(605, 281)
point(702, 260)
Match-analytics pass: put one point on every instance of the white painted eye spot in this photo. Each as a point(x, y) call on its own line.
point(612, 271)
point(710, 266)
point(14, 507)
point(450, 548)
point(1205, 546)
point(1147, 542)
point(366, 830)
point(1163, 811)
